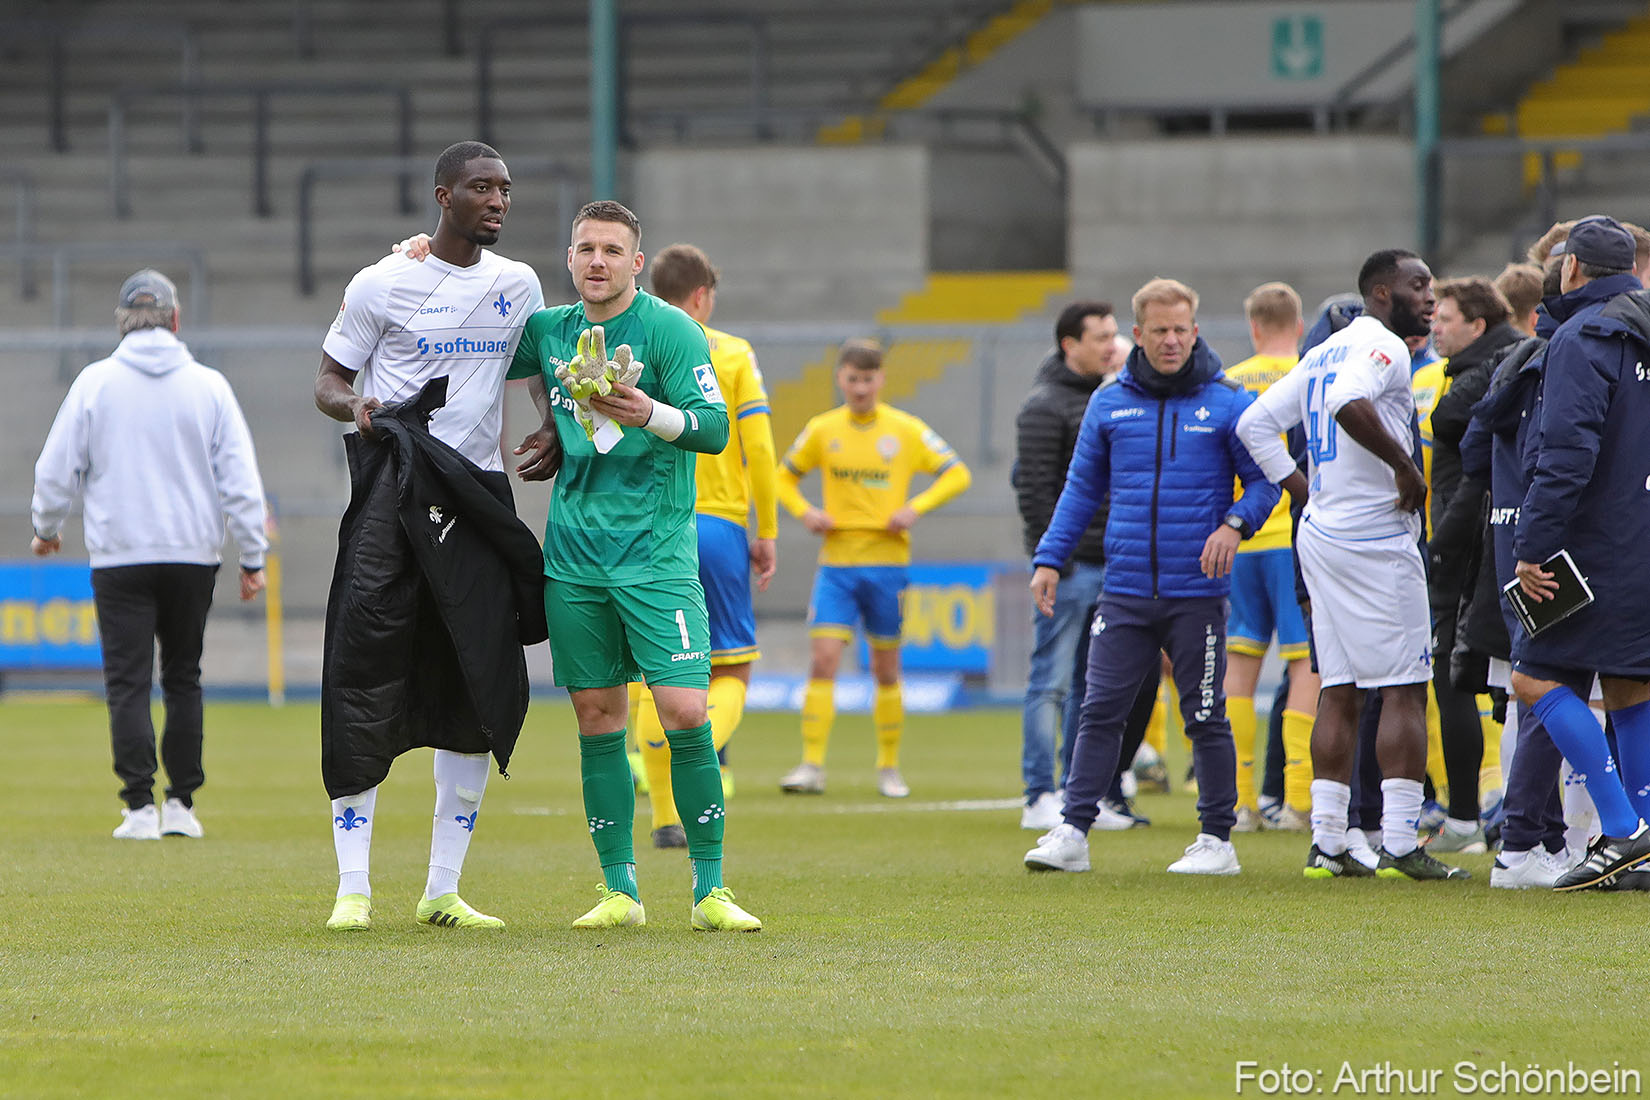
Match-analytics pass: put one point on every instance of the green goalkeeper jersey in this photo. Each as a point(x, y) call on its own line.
point(626, 516)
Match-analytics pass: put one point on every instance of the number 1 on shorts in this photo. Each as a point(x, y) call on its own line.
point(681, 624)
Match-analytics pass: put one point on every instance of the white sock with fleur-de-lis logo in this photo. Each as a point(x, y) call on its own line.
point(460, 781)
point(352, 839)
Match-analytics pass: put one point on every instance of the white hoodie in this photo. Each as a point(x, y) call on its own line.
point(157, 445)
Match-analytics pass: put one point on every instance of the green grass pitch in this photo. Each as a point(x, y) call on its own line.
point(907, 951)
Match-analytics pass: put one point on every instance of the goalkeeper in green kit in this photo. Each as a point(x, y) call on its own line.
point(621, 559)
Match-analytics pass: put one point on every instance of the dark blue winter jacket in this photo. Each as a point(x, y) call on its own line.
point(1167, 451)
point(1493, 446)
point(1587, 467)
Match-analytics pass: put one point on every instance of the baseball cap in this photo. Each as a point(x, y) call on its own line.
point(1599, 240)
point(149, 288)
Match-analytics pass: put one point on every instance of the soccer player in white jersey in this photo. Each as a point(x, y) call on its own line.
point(459, 313)
point(1358, 546)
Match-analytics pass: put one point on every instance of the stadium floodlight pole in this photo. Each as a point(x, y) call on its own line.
point(604, 98)
point(1427, 197)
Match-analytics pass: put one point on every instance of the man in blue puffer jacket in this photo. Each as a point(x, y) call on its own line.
point(1161, 442)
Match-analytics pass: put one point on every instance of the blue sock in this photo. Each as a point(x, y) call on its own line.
point(1575, 731)
point(1633, 749)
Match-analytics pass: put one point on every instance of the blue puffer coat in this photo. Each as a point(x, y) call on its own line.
point(1166, 450)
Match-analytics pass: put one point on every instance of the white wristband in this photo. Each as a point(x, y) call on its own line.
point(666, 421)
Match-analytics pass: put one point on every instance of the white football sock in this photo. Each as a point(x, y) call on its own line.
point(460, 781)
point(1329, 803)
point(352, 840)
point(1400, 814)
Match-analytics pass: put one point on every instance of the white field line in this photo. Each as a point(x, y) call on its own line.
point(798, 806)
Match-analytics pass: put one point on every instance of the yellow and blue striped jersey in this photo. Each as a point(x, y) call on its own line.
point(728, 483)
point(1428, 384)
point(1256, 374)
point(866, 465)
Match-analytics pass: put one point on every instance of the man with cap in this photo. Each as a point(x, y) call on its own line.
point(155, 446)
point(1586, 459)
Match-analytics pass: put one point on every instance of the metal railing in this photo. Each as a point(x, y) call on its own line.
point(303, 28)
point(758, 26)
point(1543, 205)
point(260, 92)
point(58, 37)
point(63, 256)
point(314, 172)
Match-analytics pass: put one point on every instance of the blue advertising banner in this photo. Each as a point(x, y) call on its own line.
point(950, 616)
point(46, 615)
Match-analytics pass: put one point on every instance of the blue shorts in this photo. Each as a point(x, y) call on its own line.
point(846, 594)
point(725, 573)
point(1263, 603)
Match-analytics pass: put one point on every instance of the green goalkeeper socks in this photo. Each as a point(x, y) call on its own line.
point(696, 779)
point(610, 806)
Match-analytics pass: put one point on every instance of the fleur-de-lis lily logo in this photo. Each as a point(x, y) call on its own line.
point(469, 823)
point(501, 305)
point(1203, 412)
point(349, 820)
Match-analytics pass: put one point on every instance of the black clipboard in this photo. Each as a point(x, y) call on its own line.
point(1573, 594)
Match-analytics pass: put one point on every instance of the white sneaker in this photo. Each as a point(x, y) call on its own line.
point(1291, 820)
point(890, 784)
point(1063, 849)
point(1129, 784)
point(805, 778)
point(1207, 855)
point(1535, 870)
point(1108, 820)
point(176, 819)
point(1043, 814)
point(1248, 821)
point(141, 824)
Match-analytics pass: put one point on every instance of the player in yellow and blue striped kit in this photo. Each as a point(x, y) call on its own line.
point(727, 486)
point(866, 453)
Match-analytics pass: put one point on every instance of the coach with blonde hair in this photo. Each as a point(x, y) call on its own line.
point(1161, 443)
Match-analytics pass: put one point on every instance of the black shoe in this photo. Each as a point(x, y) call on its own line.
point(1607, 857)
point(670, 836)
point(1126, 808)
point(1417, 865)
point(1320, 864)
point(1628, 881)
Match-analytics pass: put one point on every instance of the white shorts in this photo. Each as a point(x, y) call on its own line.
point(1370, 619)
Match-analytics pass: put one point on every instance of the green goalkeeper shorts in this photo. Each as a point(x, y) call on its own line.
point(603, 637)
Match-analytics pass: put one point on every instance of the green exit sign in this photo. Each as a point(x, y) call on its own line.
point(1297, 47)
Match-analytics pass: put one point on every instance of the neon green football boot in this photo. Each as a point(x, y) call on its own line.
point(718, 913)
point(452, 911)
point(614, 910)
point(351, 913)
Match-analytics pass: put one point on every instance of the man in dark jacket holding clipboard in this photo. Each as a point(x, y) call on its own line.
point(1589, 494)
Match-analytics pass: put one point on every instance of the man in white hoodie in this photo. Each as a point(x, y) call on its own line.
point(156, 447)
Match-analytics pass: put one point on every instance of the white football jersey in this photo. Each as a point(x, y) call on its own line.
point(403, 323)
point(1353, 494)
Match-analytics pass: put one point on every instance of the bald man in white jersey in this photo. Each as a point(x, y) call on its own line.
point(1358, 546)
point(460, 314)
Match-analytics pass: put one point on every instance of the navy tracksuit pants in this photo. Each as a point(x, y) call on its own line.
point(1124, 642)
